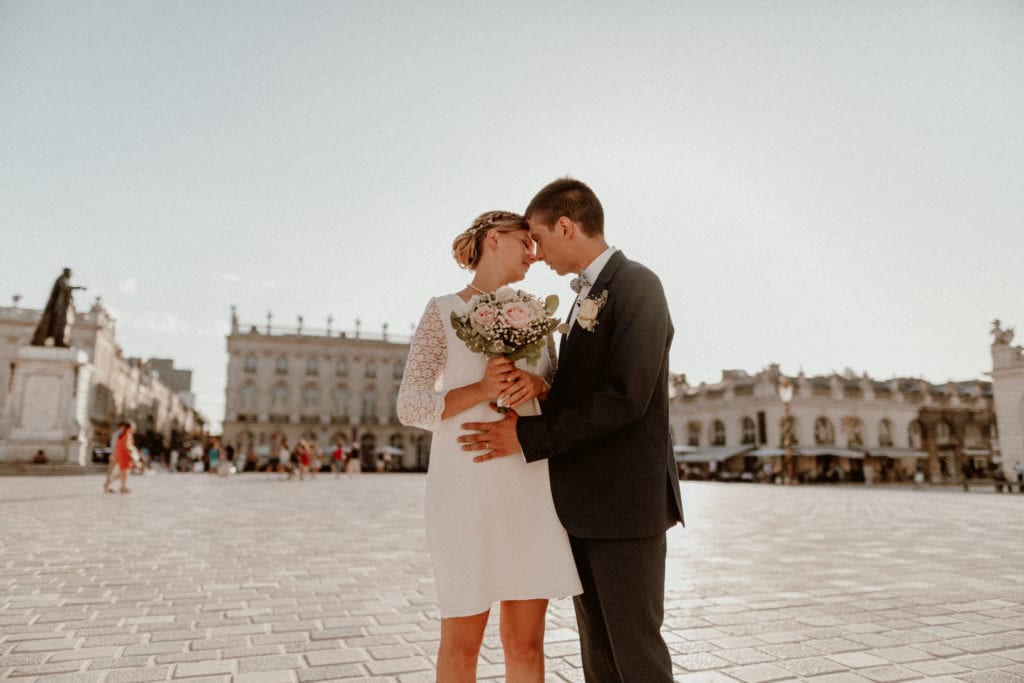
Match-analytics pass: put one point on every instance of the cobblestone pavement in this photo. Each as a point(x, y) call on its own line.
point(258, 580)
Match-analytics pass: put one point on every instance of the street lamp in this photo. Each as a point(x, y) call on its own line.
point(786, 394)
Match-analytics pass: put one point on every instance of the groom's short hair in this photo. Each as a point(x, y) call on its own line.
point(570, 198)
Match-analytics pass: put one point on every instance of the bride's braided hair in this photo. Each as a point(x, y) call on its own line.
point(468, 246)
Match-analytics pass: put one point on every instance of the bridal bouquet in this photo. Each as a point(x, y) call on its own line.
point(507, 322)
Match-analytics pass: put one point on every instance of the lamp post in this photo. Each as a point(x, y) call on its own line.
point(786, 394)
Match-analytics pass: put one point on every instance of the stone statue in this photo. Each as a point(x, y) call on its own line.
point(1001, 336)
point(54, 327)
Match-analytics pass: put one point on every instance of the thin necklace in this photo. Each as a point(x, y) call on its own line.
point(472, 286)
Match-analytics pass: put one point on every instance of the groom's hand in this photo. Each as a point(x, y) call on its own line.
point(499, 438)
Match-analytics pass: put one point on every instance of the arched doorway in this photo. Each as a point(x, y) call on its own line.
point(368, 451)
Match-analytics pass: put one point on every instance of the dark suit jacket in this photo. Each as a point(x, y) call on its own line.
point(604, 427)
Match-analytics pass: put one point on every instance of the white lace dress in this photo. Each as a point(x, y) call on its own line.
point(492, 530)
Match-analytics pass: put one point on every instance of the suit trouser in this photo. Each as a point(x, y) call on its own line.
point(621, 609)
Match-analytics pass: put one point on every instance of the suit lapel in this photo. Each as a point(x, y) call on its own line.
point(568, 341)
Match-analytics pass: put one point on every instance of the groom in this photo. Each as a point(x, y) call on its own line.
point(605, 434)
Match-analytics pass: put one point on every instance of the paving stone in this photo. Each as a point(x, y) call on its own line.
point(137, 675)
point(398, 666)
point(85, 653)
point(286, 676)
point(272, 663)
point(80, 677)
point(983, 662)
point(900, 655)
point(155, 648)
point(813, 666)
point(326, 673)
point(337, 656)
point(990, 677)
point(206, 668)
point(48, 668)
point(890, 674)
point(118, 663)
point(760, 673)
point(857, 660)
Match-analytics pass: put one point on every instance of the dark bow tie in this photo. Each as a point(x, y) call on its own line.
point(580, 282)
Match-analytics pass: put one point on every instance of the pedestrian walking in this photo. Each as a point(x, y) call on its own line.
point(354, 462)
point(196, 456)
point(228, 461)
point(123, 453)
point(214, 454)
point(338, 460)
point(111, 460)
point(303, 457)
point(284, 459)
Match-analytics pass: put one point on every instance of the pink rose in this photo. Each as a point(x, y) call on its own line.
point(516, 314)
point(485, 316)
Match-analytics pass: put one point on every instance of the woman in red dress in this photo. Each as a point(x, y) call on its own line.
point(303, 459)
point(123, 453)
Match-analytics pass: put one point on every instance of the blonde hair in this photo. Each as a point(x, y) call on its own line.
point(468, 246)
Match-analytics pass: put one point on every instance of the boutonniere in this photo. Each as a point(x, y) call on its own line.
point(589, 308)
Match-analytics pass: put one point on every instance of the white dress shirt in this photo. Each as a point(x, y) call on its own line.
point(591, 272)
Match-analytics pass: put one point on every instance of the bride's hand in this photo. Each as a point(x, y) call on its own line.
point(521, 387)
point(496, 377)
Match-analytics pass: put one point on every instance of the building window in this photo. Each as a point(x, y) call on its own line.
point(718, 433)
point(247, 398)
point(885, 433)
point(309, 398)
point(281, 366)
point(279, 397)
point(369, 413)
point(341, 367)
point(693, 434)
point(749, 431)
point(397, 370)
point(371, 369)
point(852, 427)
point(943, 435)
point(824, 432)
point(914, 435)
point(250, 362)
point(312, 366)
point(973, 436)
point(341, 401)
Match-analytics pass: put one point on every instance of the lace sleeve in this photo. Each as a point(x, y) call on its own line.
point(420, 403)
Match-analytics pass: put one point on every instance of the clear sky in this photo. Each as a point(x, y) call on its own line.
point(818, 184)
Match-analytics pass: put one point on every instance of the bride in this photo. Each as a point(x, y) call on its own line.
point(492, 532)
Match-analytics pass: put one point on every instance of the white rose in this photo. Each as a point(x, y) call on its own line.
point(589, 309)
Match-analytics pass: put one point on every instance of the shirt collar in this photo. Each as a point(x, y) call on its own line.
point(597, 265)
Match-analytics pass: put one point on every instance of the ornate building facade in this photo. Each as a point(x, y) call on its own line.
point(323, 386)
point(1008, 388)
point(119, 388)
point(839, 426)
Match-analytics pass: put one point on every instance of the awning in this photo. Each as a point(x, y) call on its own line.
point(770, 452)
point(715, 454)
point(830, 450)
point(898, 453)
point(811, 450)
point(683, 449)
point(977, 452)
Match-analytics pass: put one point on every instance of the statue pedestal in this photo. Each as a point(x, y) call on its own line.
point(47, 408)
